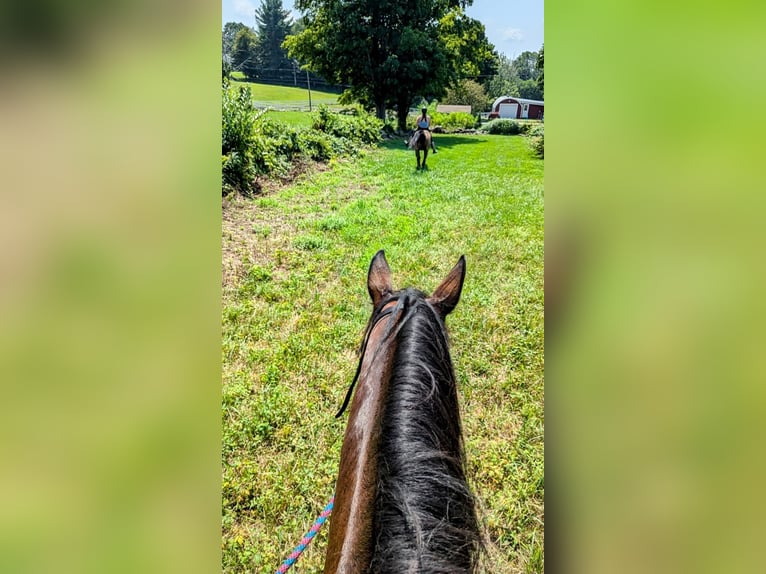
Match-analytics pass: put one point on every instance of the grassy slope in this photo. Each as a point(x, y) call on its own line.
point(267, 94)
point(295, 306)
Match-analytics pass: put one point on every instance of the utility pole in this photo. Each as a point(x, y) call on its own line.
point(308, 83)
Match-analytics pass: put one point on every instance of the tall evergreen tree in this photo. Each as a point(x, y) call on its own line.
point(274, 24)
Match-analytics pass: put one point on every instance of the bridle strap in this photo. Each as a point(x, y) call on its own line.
point(380, 315)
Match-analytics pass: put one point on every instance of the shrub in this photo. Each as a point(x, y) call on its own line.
point(538, 144)
point(316, 145)
point(253, 144)
point(453, 121)
point(503, 127)
point(354, 124)
point(237, 138)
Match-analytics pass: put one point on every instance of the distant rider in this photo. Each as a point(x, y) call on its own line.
point(423, 123)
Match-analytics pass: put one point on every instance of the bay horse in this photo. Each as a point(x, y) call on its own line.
point(421, 140)
point(402, 503)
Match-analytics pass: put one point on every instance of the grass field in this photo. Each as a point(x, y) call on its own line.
point(284, 97)
point(295, 305)
point(291, 118)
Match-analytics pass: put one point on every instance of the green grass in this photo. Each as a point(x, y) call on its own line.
point(268, 95)
point(295, 305)
point(295, 119)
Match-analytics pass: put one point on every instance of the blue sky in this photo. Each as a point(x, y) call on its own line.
point(513, 26)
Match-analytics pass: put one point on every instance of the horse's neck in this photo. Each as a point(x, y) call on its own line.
point(350, 545)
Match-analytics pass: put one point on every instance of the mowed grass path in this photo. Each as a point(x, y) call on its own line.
point(295, 306)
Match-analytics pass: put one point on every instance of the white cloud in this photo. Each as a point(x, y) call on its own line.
point(244, 8)
point(514, 34)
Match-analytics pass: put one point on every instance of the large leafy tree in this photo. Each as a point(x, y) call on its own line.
point(505, 82)
point(525, 65)
point(243, 52)
point(385, 51)
point(274, 24)
point(230, 31)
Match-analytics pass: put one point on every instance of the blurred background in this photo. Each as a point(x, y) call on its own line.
point(654, 274)
point(110, 287)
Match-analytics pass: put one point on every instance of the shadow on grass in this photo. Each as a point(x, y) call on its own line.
point(441, 141)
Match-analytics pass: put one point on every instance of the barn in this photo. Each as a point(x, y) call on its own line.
point(519, 108)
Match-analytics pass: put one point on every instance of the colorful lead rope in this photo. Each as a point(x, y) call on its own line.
point(307, 539)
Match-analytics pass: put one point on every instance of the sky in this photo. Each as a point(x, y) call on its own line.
point(513, 26)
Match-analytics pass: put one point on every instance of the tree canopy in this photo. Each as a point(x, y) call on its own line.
point(243, 54)
point(389, 51)
point(521, 77)
point(230, 31)
point(274, 24)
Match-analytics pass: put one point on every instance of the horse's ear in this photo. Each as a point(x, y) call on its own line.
point(447, 295)
point(379, 278)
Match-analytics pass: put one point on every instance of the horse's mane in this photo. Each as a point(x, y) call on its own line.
point(425, 518)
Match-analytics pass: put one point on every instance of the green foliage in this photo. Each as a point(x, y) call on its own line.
point(465, 39)
point(274, 24)
point(390, 50)
point(505, 82)
point(243, 52)
point(521, 77)
point(455, 120)
point(537, 135)
point(230, 31)
point(256, 144)
point(354, 124)
point(525, 65)
point(504, 127)
point(530, 90)
point(237, 139)
point(469, 93)
point(541, 70)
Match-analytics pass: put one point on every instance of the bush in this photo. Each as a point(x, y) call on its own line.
point(237, 139)
point(504, 127)
point(354, 124)
point(537, 134)
point(453, 121)
point(254, 145)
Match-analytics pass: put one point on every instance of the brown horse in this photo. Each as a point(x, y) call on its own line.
point(421, 141)
point(402, 503)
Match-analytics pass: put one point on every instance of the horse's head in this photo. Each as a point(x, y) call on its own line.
point(400, 320)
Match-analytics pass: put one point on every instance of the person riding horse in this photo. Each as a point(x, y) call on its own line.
point(422, 123)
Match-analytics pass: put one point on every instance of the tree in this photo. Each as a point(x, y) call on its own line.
point(243, 54)
point(540, 67)
point(274, 24)
point(386, 51)
point(465, 38)
point(468, 93)
point(505, 82)
point(230, 31)
point(530, 90)
point(525, 65)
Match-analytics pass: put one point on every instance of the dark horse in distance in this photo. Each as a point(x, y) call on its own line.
point(421, 141)
point(402, 504)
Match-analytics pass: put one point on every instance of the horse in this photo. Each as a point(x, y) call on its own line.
point(421, 140)
point(402, 503)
